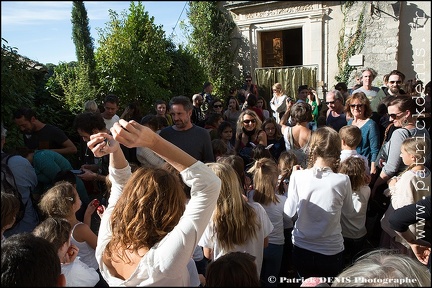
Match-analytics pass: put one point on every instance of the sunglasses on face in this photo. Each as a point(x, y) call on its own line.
point(248, 80)
point(393, 82)
point(394, 115)
point(356, 105)
point(249, 121)
point(217, 106)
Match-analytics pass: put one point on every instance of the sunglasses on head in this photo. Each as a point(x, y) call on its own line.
point(249, 121)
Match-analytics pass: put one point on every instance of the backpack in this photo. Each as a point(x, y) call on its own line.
point(8, 185)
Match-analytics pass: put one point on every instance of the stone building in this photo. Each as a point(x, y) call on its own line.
point(331, 38)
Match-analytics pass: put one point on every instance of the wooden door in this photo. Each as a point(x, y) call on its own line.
point(272, 49)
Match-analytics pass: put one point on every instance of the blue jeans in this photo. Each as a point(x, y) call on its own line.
point(312, 264)
point(272, 259)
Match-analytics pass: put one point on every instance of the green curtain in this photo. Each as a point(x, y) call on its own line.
point(290, 78)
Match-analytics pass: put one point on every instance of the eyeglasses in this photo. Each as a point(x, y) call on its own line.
point(249, 121)
point(217, 106)
point(393, 82)
point(356, 105)
point(330, 102)
point(394, 115)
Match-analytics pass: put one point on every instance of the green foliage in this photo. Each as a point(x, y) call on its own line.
point(132, 59)
point(17, 88)
point(349, 45)
point(210, 41)
point(185, 76)
point(71, 86)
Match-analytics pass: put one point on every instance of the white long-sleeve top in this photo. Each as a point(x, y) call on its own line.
point(165, 264)
point(319, 197)
point(354, 225)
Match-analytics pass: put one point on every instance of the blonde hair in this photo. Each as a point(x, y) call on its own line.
point(249, 112)
point(58, 200)
point(416, 147)
point(264, 173)
point(151, 205)
point(325, 143)
point(234, 221)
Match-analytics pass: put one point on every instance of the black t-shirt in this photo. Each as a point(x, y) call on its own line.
point(49, 137)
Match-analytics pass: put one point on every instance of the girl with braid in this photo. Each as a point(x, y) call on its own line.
point(319, 195)
point(407, 188)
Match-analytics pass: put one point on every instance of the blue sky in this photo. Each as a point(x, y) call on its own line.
point(42, 30)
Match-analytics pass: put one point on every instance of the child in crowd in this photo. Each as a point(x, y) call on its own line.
point(353, 226)
point(9, 209)
point(235, 269)
point(265, 176)
point(286, 162)
point(319, 195)
point(30, 261)
point(57, 231)
point(274, 136)
point(236, 225)
point(350, 138)
point(62, 200)
point(225, 133)
point(408, 187)
point(237, 163)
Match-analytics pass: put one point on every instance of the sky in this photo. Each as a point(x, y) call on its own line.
point(42, 30)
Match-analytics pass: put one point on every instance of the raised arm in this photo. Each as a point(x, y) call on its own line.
point(132, 134)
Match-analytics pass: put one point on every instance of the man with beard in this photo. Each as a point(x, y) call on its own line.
point(378, 104)
point(184, 134)
point(392, 88)
point(38, 135)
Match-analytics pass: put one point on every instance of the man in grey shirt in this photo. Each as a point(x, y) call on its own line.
point(184, 134)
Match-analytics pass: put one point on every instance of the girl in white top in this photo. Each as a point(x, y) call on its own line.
point(236, 225)
point(62, 201)
point(265, 178)
point(319, 196)
point(353, 226)
point(407, 188)
point(147, 234)
point(277, 103)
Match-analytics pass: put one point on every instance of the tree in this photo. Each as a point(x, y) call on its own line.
point(211, 42)
point(17, 89)
point(132, 60)
point(84, 47)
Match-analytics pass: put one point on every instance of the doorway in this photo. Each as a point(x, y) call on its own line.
point(282, 48)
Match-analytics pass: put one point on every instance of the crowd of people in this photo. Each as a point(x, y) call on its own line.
point(222, 191)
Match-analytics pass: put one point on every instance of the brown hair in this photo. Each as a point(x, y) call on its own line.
point(9, 208)
point(54, 229)
point(355, 168)
point(362, 98)
point(151, 205)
